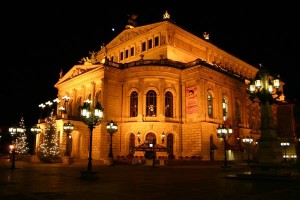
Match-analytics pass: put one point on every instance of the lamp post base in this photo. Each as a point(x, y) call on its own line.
point(109, 161)
point(89, 176)
point(66, 160)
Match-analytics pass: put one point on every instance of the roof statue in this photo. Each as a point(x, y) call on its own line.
point(131, 22)
point(166, 15)
point(89, 60)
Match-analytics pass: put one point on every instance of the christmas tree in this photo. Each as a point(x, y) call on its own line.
point(49, 150)
point(21, 140)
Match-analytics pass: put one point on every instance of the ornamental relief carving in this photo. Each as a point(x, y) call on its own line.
point(129, 36)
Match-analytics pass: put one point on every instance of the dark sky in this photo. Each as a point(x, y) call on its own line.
point(40, 39)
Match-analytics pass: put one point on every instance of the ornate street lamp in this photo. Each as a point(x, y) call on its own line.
point(66, 99)
point(265, 89)
point(91, 117)
point(56, 101)
point(35, 130)
point(111, 127)
point(225, 133)
point(68, 128)
point(248, 142)
point(285, 145)
point(42, 106)
point(49, 104)
point(14, 131)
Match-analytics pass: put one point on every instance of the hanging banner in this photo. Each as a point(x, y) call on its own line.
point(191, 100)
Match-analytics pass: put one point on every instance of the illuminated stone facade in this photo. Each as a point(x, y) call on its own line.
point(156, 79)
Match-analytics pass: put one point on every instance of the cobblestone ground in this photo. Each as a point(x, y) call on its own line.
point(206, 180)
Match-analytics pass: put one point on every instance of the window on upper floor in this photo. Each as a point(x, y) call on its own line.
point(134, 104)
point(122, 55)
point(126, 53)
point(143, 46)
point(132, 51)
point(156, 41)
point(169, 104)
point(151, 103)
point(238, 112)
point(210, 105)
point(150, 44)
point(225, 108)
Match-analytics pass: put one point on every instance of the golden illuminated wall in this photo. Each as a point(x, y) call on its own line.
point(112, 85)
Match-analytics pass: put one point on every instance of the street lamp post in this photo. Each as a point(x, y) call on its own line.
point(265, 89)
point(225, 133)
point(42, 106)
point(285, 145)
point(35, 130)
point(66, 99)
point(13, 152)
point(111, 127)
point(91, 117)
point(248, 142)
point(14, 131)
point(68, 128)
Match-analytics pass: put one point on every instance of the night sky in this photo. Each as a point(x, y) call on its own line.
point(40, 39)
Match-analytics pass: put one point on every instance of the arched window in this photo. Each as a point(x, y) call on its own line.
point(169, 104)
point(209, 105)
point(225, 108)
point(77, 107)
point(238, 112)
point(133, 104)
point(150, 138)
point(151, 103)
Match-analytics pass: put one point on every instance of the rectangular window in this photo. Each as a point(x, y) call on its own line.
point(122, 56)
point(143, 46)
point(156, 41)
point(132, 51)
point(150, 44)
point(126, 53)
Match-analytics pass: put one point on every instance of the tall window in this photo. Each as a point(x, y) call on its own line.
point(169, 104)
point(133, 104)
point(132, 51)
point(225, 108)
point(156, 41)
point(151, 103)
point(210, 105)
point(143, 46)
point(150, 44)
point(238, 112)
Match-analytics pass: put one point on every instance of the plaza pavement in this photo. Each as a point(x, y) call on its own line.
point(201, 180)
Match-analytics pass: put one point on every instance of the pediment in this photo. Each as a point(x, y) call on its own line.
point(131, 33)
point(76, 71)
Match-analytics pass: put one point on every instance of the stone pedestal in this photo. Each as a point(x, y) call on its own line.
point(269, 155)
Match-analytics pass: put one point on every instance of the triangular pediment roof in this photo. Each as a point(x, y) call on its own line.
point(132, 33)
point(75, 71)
